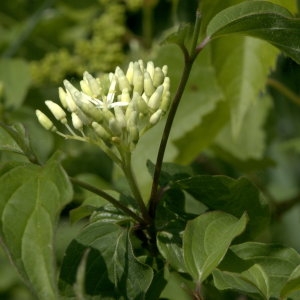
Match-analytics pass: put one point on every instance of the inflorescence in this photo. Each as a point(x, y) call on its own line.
point(113, 110)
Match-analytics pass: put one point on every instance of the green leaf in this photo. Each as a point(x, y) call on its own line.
point(7, 143)
point(30, 200)
point(202, 135)
point(15, 139)
point(112, 270)
point(293, 283)
point(260, 19)
point(170, 221)
point(253, 281)
point(206, 240)
point(181, 36)
point(251, 142)
point(15, 74)
point(170, 172)
point(234, 196)
point(277, 262)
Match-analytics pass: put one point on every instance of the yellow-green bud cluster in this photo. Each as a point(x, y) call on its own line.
point(116, 108)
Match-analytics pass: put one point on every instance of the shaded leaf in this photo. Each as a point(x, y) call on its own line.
point(231, 196)
point(293, 283)
point(181, 36)
point(277, 262)
point(206, 240)
point(253, 281)
point(170, 172)
point(112, 270)
point(15, 139)
point(30, 200)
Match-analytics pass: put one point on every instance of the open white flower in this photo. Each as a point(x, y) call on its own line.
point(107, 101)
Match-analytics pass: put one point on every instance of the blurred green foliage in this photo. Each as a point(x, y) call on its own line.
point(43, 42)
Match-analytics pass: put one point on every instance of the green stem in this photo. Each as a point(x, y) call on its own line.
point(188, 63)
point(109, 198)
point(127, 169)
point(147, 23)
point(284, 90)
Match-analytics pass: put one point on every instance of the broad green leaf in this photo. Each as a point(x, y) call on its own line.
point(260, 19)
point(229, 195)
point(252, 281)
point(250, 144)
point(242, 65)
point(293, 283)
point(112, 270)
point(203, 134)
point(206, 240)
point(30, 200)
point(277, 262)
point(15, 74)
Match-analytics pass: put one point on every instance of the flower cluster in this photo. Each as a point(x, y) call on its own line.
point(113, 110)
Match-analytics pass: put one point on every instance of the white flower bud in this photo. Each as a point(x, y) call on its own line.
point(93, 84)
point(85, 87)
point(45, 121)
point(148, 84)
point(150, 68)
point(107, 114)
point(57, 111)
point(165, 70)
point(165, 102)
point(130, 108)
point(155, 117)
point(115, 127)
point(132, 119)
point(122, 80)
point(120, 117)
point(155, 99)
point(158, 77)
point(71, 90)
point(89, 109)
point(141, 104)
point(101, 132)
point(133, 135)
point(77, 123)
point(141, 63)
point(62, 97)
point(129, 73)
point(138, 79)
point(125, 97)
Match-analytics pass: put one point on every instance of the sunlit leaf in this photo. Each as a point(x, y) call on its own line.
point(206, 240)
point(30, 200)
point(261, 19)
